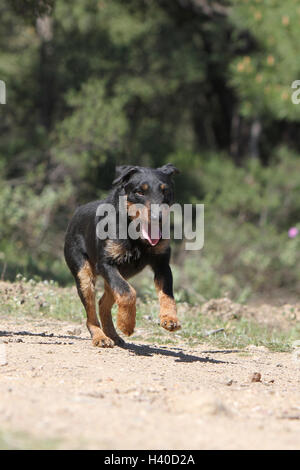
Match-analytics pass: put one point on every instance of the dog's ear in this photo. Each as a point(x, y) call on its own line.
point(169, 169)
point(123, 172)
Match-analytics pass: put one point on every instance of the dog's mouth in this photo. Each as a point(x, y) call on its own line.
point(154, 238)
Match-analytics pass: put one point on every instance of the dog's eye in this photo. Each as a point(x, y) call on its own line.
point(139, 193)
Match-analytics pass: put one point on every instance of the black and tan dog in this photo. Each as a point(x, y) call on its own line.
point(118, 259)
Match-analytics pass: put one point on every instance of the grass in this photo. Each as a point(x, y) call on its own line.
point(23, 441)
point(47, 300)
point(236, 333)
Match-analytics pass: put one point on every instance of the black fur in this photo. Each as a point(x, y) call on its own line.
point(82, 243)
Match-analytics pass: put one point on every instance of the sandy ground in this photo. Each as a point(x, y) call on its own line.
point(55, 385)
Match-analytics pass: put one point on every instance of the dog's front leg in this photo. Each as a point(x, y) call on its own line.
point(124, 295)
point(163, 281)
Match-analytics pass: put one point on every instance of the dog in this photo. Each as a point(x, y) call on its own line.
point(117, 259)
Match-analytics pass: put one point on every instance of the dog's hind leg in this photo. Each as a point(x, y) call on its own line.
point(105, 304)
point(85, 280)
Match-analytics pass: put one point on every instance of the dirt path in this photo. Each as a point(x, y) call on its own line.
point(57, 386)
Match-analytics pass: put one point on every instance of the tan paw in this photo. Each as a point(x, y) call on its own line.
point(103, 342)
point(170, 323)
point(126, 328)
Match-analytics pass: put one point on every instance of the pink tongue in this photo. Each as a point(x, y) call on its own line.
point(146, 231)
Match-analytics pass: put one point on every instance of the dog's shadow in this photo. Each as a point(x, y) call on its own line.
point(42, 335)
point(181, 356)
point(137, 349)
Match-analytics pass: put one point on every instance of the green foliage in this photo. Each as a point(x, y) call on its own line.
point(92, 84)
point(28, 226)
point(264, 76)
point(94, 129)
point(248, 212)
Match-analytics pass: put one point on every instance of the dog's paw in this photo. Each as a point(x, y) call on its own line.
point(126, 327)
point(118, 340)
point(127, 330)
point(170, 323)
point(102, 341)
point(111, 333)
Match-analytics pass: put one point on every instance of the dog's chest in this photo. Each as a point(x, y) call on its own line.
point(131, 262)
point(129, 256)
point(121, 254)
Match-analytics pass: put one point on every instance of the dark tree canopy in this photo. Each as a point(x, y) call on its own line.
point(204, 85)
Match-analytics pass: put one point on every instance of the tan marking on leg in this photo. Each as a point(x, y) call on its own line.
point(87, 280)
point(168, 312)
point(126, 311)
point(105, 304)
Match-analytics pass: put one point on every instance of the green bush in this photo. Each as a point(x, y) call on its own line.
point(248, 212)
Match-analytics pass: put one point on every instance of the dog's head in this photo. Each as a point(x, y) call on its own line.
point(146, 187)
